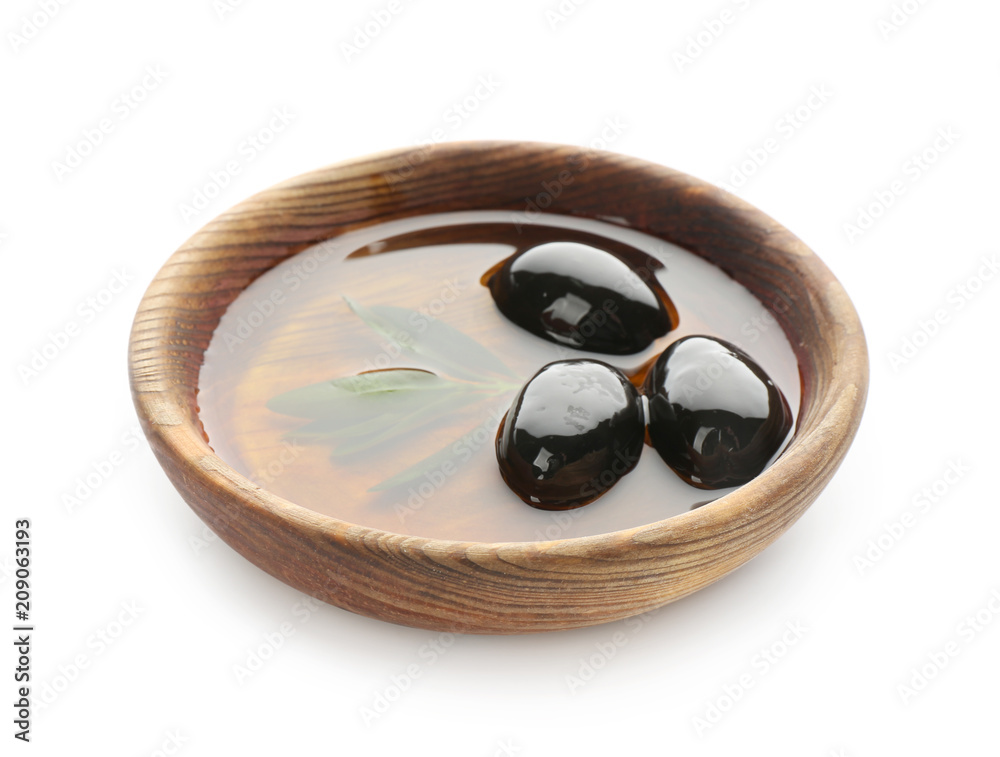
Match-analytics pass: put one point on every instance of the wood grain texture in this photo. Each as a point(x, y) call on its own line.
point(502, 587)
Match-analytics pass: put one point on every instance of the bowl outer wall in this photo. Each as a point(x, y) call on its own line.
point(510, 587)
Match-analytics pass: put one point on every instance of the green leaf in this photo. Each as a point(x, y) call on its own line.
point(449, 453)
point(359, 412)
point(353, 398)
point(326, 429)
point(390, 380)
point(418, 469)
point(420, 417)
point(435, 340)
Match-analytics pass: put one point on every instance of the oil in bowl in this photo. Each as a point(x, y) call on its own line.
point(366, 377)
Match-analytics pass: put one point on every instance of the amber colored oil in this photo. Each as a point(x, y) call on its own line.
point(293, 327)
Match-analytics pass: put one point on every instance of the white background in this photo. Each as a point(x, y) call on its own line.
point(140, 625)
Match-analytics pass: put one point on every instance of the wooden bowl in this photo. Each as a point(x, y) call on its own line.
point(510, 587)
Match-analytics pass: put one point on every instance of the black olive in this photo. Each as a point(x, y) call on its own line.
point(584, 297)
point(714, 415)
point(573, 430)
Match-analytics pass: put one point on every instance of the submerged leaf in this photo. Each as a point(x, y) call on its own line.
point(390, 380)
point(365, 393)
point(453, 452)
point(434, 340)
point(326, 429)
point(356, 413)
point(419, 468)
point(417, 418)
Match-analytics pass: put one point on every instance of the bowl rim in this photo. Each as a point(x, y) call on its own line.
point(169, 336)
